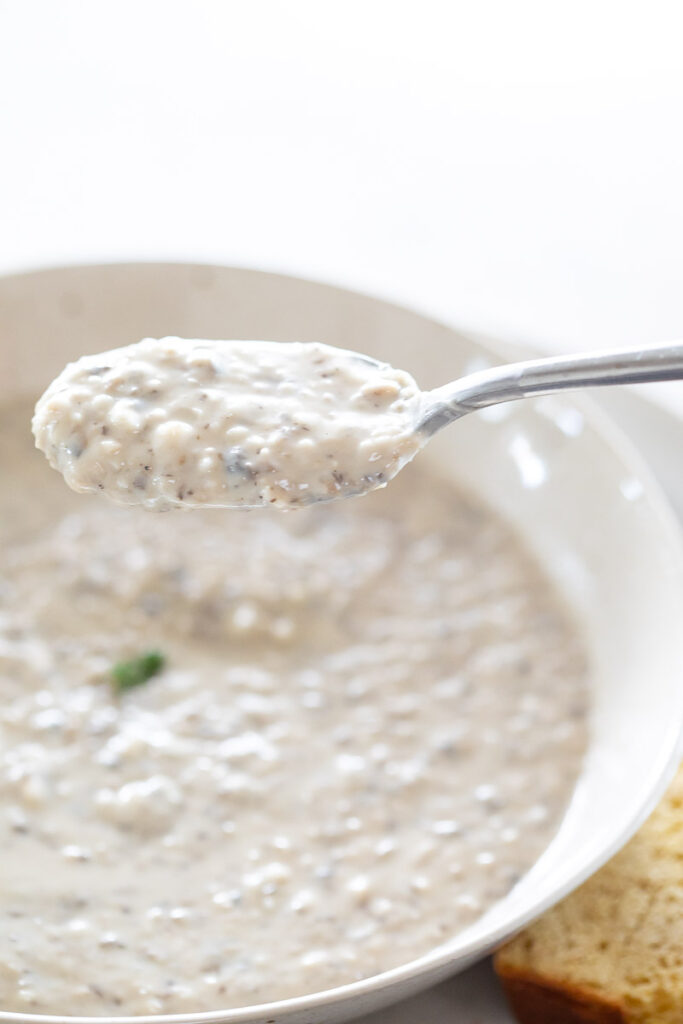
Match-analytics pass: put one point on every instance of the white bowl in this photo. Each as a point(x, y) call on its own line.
point(558, 469)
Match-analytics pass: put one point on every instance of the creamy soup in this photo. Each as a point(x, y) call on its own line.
point(364, 727)
point(175, 422)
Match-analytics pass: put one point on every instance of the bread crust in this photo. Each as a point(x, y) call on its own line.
point(534, 1001)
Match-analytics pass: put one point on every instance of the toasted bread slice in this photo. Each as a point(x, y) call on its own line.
point(612, 952)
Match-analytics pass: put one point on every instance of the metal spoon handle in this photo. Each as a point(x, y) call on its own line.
point(543, 376)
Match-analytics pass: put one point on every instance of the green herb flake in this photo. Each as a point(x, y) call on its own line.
point(127, 674)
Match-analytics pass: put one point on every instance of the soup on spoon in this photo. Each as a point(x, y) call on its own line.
point(228, 424)
point(190, 423)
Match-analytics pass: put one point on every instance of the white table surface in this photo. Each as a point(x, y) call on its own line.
point(515, 168)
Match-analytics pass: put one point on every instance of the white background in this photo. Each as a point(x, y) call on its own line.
point(511, 165)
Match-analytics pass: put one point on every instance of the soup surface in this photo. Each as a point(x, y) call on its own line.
point(367, 726)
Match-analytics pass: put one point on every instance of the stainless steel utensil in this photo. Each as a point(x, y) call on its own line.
point(537, 377)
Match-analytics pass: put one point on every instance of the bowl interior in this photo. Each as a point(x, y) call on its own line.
point(556, 468)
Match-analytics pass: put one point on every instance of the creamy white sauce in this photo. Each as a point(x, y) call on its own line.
point(173, 422)
point(369, 724)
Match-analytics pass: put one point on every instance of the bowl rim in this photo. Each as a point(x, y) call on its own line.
point(438, 958)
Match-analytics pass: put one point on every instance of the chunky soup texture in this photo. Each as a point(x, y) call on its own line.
point(178, 422)
point(366, 727)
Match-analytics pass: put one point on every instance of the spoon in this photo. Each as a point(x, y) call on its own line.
point(232, 424)
point(537, 377)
